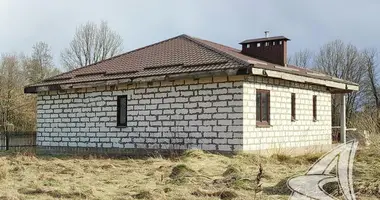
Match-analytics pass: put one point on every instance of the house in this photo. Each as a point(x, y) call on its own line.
point(185, 93)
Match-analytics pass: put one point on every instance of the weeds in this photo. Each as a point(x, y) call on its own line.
point(193, 175)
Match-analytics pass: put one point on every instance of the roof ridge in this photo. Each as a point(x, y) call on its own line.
point(218, 44)
point(197, 41)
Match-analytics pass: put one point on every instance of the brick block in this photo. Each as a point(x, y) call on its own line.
point(191, 81)
point(219, 91)
point(204, 141)
point(236, 78)
point(218, 79)
point(209, 147)
point(182, 87)
point(173, 94)
point(191, 105)
point(205, 80)
point(204, 104)
point(224, 147)
point(235, 141)
point(209, 110)
point(205, 92)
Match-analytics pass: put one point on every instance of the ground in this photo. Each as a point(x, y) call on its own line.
point(192, 175)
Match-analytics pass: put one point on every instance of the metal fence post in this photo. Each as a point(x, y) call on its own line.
point(6, 140)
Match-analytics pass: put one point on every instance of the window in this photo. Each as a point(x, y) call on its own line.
point(258, 44)
point(122, 111)
point(266, 44)
point(248, 45)
point(262, 107)
point(274, 43)
point(293, 106)
point(280, 42)
point(314, 107)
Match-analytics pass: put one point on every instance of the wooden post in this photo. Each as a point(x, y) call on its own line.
point(343, 118)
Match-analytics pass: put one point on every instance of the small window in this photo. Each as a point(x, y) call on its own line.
point(293, 106)
point(258, 44)
point(274, 43)
point(280, 42)
point(262, 107)
point(314, 107)
point(122, 111)
point(266, 44)
point(248, 45)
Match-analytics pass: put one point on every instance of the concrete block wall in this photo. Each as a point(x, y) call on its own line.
point(182, 114)
point(283, 132)
point(215, 113)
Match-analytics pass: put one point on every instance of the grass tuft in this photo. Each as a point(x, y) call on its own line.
point(181, 171)
point(194, 153)
point(3, 172)
point(282, 157)
point(223, 194)
point(143, 195)
point(232, 171)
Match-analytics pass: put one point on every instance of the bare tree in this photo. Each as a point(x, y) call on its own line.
point(14, 104)
point(39, 65)
point(371, 85)
point(344, 61)
point(301, 58)
point(370, 62)
point(91, 44)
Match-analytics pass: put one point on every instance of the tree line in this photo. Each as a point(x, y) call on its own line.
point(95, 42)
point(348, 62)
point(91, 43)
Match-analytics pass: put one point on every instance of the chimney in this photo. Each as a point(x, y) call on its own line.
point(266, 34)
point(269, 49)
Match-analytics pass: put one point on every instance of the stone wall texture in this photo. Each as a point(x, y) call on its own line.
point(215, 114)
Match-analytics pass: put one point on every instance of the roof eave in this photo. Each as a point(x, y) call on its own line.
point(109, 82)
point(339, 86)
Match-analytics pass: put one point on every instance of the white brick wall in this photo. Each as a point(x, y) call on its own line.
point(211, 113)
point(283, 132)
point(167, 117)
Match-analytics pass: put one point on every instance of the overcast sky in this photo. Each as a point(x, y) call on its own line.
point(308, 24)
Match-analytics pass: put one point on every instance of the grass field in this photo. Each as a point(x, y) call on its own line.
point(192, 175)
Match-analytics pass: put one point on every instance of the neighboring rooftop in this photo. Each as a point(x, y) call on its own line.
point(181, 54)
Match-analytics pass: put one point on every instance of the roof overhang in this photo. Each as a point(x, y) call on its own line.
point(336, 87)
point(90, 84)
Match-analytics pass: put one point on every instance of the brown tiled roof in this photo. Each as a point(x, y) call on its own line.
point(176, 55)
point(181, 54)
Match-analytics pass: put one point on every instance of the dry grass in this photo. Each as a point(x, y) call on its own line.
point(193, 175)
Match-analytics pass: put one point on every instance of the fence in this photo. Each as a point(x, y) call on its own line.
point(336, 133)
point(17, 140)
